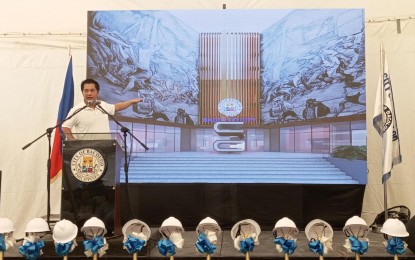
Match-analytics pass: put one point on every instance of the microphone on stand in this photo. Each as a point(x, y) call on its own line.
point(49, 130)
point(123, 129)
point(91, 102)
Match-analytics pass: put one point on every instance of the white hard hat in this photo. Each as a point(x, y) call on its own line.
point(285, 227)
point(93, 227)
point(246, 227)
point(6, 226)
point(394, 227)
point(136, 226)
point(208, 224)
point(318, 228)
point(170, 225)
point(356, 226)
point(64, 231)
point(37, 225)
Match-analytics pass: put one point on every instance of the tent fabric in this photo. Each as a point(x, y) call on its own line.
point(34, 43)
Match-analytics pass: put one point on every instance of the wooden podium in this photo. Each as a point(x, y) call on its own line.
point(91, 182)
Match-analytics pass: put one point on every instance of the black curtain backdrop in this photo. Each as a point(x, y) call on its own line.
point(229, 203)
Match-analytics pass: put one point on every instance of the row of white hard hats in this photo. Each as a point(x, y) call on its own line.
point(317, 228)
point(65, 231)
point(392, 227)
point(173, 222)
point(247, 227)
point(168, 226)
point(314, 230)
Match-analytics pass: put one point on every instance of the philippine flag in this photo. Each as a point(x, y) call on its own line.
point(66, 104)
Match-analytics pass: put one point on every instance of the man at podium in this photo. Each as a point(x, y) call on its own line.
point(88, 120)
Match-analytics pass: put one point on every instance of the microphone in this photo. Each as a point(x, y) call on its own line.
point(91, 102)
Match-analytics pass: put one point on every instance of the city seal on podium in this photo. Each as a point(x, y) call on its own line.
point(88, 165)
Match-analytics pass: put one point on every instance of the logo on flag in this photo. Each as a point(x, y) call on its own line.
point(384, 121)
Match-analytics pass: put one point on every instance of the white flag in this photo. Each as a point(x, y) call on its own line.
point(384, 120)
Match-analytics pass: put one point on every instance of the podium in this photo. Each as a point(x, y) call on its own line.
point(90, 183)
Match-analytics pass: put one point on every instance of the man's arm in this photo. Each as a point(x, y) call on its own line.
point(68, 133)
point(125, 104)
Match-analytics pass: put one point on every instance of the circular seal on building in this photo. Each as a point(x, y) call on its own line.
point(230, 107)
point(88, 165)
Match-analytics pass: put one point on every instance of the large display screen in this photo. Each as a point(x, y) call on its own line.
point(237, 96)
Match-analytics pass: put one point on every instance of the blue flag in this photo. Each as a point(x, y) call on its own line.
point(65, 105)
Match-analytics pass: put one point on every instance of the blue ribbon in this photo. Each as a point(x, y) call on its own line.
point(316, 246)
point(31, 250)
point(247, 245)
point(63, 249)
point(288, 246)
point(203, 245)
point(395, 246)
point(358, 246)
point(133, 244)
point(165, 247)
point(2, 243)
point(94, 244)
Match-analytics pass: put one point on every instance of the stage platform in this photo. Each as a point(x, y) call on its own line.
point(225, 250)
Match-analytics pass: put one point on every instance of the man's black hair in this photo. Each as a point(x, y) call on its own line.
point(89, 81)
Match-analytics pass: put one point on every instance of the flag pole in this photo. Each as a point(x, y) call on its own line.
point(385, 189)
point(385, 199)
point(385, 123)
